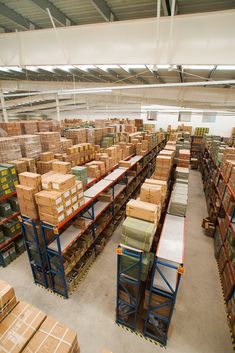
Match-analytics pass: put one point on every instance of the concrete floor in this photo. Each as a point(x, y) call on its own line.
point(199, 320)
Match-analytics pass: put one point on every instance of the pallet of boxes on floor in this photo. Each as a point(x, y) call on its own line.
point(24, 328)
point(217, 166)
point(150, 253)
point(69, 213)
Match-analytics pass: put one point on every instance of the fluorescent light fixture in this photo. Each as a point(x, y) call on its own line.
point(162, 67)
point(66, 68)
point(32, 68)
point(198, 67)
point(106, 67)
point(4, 69)
point(133, 67)
point(85, 67)
point(225, 67)
point(47, 68)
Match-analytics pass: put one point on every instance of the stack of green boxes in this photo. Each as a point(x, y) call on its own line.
point(137, 234)
point(8, 179)
point(80, 174)
point(108, 140)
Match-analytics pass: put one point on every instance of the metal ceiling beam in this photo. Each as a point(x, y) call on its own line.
point(57, 14)
point(180, 72)
point(103, 8)
point(138, 77)
point(119, 77)
point(16, 17)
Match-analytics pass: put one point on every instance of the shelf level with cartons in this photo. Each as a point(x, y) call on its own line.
point(220, 199)
point(9, 248)
point(65, 239)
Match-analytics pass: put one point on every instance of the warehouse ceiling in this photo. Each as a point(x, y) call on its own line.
point(31, 15)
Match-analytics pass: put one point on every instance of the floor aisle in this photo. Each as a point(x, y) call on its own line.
point(199, 321)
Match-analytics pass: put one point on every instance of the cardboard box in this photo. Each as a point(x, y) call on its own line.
point(31, 179)
point(61, 167)
point(124, 164)
point(51, 199)
point(161, 183)
point(46, 156)
point(142, 210)
point(7, 299)
point(19, 327)
point(63, 182)
point(52, 219)
point(53, 337)
point(54, 211)
point(151, 193)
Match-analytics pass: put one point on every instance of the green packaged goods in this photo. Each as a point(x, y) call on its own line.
point(1, 236)
point(5, 209)
point(8, 229)
point(127, 261)
point(3, 171)
point(138, 233)
point(11, 169)
point(14, 203)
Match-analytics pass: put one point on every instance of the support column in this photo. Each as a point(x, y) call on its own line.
point(4, 110)
point(57, 107)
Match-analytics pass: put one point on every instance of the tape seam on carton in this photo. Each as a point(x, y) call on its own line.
point(17, 317)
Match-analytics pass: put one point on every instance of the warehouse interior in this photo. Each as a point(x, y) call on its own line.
point(117, 176)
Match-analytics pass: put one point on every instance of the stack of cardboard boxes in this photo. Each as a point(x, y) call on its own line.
point(76, 135)
point(66, 143)
point(184, 158)
point(30, 145)
point(12, 129)
point(50, 141)
point(48, 125)
point(29, 127)
point(9, 149)
point(24, 328)
point(79, 154)
point(80, 174)
point(163, 167)
point(61, 196)
point(51, 197)
point(30, 184)
point(44, 165)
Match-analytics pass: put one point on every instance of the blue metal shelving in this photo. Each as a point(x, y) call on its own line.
point(128, 287)
point(35, 251)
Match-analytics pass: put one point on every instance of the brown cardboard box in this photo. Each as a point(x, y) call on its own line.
point(142, 210)
point(157, 300)
point(54, 211)
point(19, 326)
point(151, 193)
point(51, 199)
point(52, 219)
point(25, 192)
point(63, 182)
point(61, 167)
point(46, 156)
point(7, 299)
point(162, 183)
point(31, 179)
point(53, 337)
point(125, 164)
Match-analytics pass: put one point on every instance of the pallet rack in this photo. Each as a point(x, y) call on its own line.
point(165, 279)
point(221, 207)
point(63, 273)
point(8, 245)
point(130, 291)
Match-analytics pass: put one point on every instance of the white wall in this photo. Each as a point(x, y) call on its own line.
point(222, 126)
